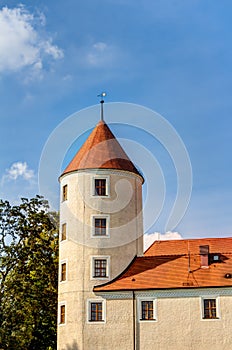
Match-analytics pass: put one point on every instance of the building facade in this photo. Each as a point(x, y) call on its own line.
point(112, 295)
point(177, 296)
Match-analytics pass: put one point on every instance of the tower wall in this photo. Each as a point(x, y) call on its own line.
point(122, 207)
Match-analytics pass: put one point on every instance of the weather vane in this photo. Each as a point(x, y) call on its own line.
point(102, 95)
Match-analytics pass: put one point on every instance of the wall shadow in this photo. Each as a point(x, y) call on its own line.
point(73, 346)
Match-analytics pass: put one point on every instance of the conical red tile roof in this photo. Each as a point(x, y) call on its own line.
point(101, 151)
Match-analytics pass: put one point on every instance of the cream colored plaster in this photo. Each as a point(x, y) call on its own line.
point(124, 242)
point(180, 326)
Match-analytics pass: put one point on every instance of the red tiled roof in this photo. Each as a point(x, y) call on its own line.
point(182, 246)
point(176, 264)
point(101, 151)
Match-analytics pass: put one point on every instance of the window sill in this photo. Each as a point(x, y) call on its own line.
point(152, 320)
point(100, 236)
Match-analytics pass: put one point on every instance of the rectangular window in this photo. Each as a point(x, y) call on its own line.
point(100, 226)
point(65, 193)
point(63, 272)
point(96, 312)
point(100, 268)
point(62, 314)
point(63, 232)
point(209, 308)
point(100, 187)
point(147, 311)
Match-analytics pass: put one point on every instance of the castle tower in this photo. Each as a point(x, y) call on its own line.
point(101, 231)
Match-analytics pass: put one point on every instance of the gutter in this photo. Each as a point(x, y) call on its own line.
point(134, 321)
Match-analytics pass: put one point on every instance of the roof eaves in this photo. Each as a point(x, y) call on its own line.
point(117, 277)
point(159, 289)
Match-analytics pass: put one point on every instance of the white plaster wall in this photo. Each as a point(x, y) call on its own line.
point(125, 241)
point(179, 326)
point(116, 333)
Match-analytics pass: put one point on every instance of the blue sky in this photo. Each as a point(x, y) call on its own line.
point(173, 57)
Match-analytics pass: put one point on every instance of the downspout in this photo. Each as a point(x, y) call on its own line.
point(134, 320)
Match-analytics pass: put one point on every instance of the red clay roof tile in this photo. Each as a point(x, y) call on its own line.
point(176, 264)
point(101, 151)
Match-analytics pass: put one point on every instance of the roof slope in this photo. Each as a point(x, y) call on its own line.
point(176, 264)
point(182, 246)
point(101, 151)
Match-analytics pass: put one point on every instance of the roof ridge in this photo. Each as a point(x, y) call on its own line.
point(205, 240)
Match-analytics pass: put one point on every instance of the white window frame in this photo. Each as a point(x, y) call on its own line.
point(92, 266)
point(62, 303)
point(139, 308)
point(61, 224)
point(218, 314)
point(101, 177)
point(89, 301)
point(65, 261)
point(100, 216)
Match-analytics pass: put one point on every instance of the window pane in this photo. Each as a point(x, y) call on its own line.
point(100, 267)
point(100, 227)
point(63, 272)
point(147, 310)
point(62, 314)
point(63, 232)
point(96, 312)
point(65, 192)
point(210, 310)
point(100, 187)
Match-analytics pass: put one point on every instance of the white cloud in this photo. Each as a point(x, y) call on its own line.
point(18, 181)
point(157, 236)
point(101, 54)
point(100, 46)
point(17, 170)
point(21, 44)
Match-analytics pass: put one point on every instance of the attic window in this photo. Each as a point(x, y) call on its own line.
point(216, 257)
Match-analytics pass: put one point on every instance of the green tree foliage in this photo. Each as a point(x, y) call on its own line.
point(28, 275)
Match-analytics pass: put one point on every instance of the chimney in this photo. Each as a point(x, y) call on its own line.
point(204, 253)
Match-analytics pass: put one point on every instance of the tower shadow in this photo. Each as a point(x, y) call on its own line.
point(73, 346)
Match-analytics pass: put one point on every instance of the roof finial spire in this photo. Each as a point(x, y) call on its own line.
point(102, 95)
